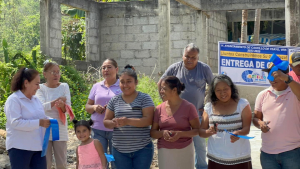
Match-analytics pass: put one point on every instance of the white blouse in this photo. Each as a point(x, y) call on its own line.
point(219, 148)
point(46, 96)
point(23, 122)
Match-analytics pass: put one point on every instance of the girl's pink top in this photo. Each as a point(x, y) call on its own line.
point(89, 157)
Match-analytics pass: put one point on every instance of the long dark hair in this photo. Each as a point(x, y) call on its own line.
point(211, 95)
point(130, 71)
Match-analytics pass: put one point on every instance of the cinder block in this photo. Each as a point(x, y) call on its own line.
point(141, 37)
point(183, 28)
point(112, 54)
point(175, 19)
point(176, 52)
point(188, 35)
point(105, 47)
point(154, 53)
point(122, 62)
point(128, 21)
point(93, 32)
point(105, 31)
point(58, 34)
point(52, 33)
point(142, 54)
point(136, 62)
point(94, 49)
point(110, 38)
point(186, 19)
point(149, 45)
point(149, 28)
point(154, 36)
point(133, 45)
point(55, 23)
point(126, 37)
point(117, 46)
point(118, 30)
point(153, 20)
point(127, 54)
point(149, 62)
point(140, 21)
point(180, 44)
point(133, 29)
point(54, 43)
point(108, 22)
point(93, 40)
point(175, 36)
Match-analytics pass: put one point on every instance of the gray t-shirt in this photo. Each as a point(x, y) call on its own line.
point(194, 80)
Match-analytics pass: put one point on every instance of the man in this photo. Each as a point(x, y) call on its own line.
point(277, 115)
point(195, 75)
point(295, 65)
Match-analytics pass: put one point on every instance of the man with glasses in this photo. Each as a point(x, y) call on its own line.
point(195, 75)
point(295, 65)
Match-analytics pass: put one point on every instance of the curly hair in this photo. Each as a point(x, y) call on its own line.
point(211, 95)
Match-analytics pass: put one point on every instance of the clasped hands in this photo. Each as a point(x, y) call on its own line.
point(60, 102)
point(171, 136)
point(120, 122)
point(100, 109)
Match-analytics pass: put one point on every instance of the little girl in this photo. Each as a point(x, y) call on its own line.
point(89, 153)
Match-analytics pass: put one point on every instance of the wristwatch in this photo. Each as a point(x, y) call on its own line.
point(290, 79)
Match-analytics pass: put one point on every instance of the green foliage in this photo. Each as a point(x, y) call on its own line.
point(149, 86)
point(20, 24)
point(5, 49)
point(75, 13)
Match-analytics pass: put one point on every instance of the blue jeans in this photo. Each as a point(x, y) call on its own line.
point(200, 151)
point(105, 139)
point(285, 160)
point(24, 159)
point(140, 159)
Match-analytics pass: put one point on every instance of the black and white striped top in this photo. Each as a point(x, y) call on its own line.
point(128, 139)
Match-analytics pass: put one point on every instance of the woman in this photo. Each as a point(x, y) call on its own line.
point(224, 110)
point(25, 119)
point(175, 123)
point(55, 96)
point(100, 95)
point(130, 115)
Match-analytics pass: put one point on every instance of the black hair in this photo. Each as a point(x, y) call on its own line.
point(211, 95)
point(23, 74)
point(86, 123)
point(129, 70)
point(174, 82)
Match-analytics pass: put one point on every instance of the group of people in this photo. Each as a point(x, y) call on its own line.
point(124, 121)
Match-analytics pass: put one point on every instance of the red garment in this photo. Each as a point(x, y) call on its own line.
point(180, 121)
point(294, 76)
point(62, 115)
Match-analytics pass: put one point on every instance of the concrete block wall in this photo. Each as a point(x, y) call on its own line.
point(130, 37)
point(216, 26)
point(183, 25)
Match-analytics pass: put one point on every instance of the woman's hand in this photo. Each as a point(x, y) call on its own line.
point(166, 135)
point(233, 138)
point(212, 130)
point(63, 98)
point(264, 126)
point(60, 103)
point(175, 135)
point(44, 123)
point(122, 121)
point(99, 109)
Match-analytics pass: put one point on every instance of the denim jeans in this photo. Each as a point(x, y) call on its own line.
point(24, 159)
point(105, 139)
point(140, 159)
point(200, 151)
point(285, 160)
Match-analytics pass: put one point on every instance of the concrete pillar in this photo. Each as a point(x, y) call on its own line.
point(51, 37)
point(164, 35)
point(201, 36)
point(292, 22)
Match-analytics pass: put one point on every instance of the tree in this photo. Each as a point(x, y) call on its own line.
point(257, 26)
point(244, 26)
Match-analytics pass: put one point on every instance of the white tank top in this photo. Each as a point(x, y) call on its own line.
point(220, 149)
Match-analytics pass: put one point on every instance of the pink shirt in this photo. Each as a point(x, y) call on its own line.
point(180, 121)
point(283, 113)
point(101, 95)
point(294, 76)
point(88, 157)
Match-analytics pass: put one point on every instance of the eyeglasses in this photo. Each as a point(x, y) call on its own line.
point(55, 73)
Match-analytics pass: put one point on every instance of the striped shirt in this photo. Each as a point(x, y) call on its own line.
point(128, 139)
point(219, 148)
